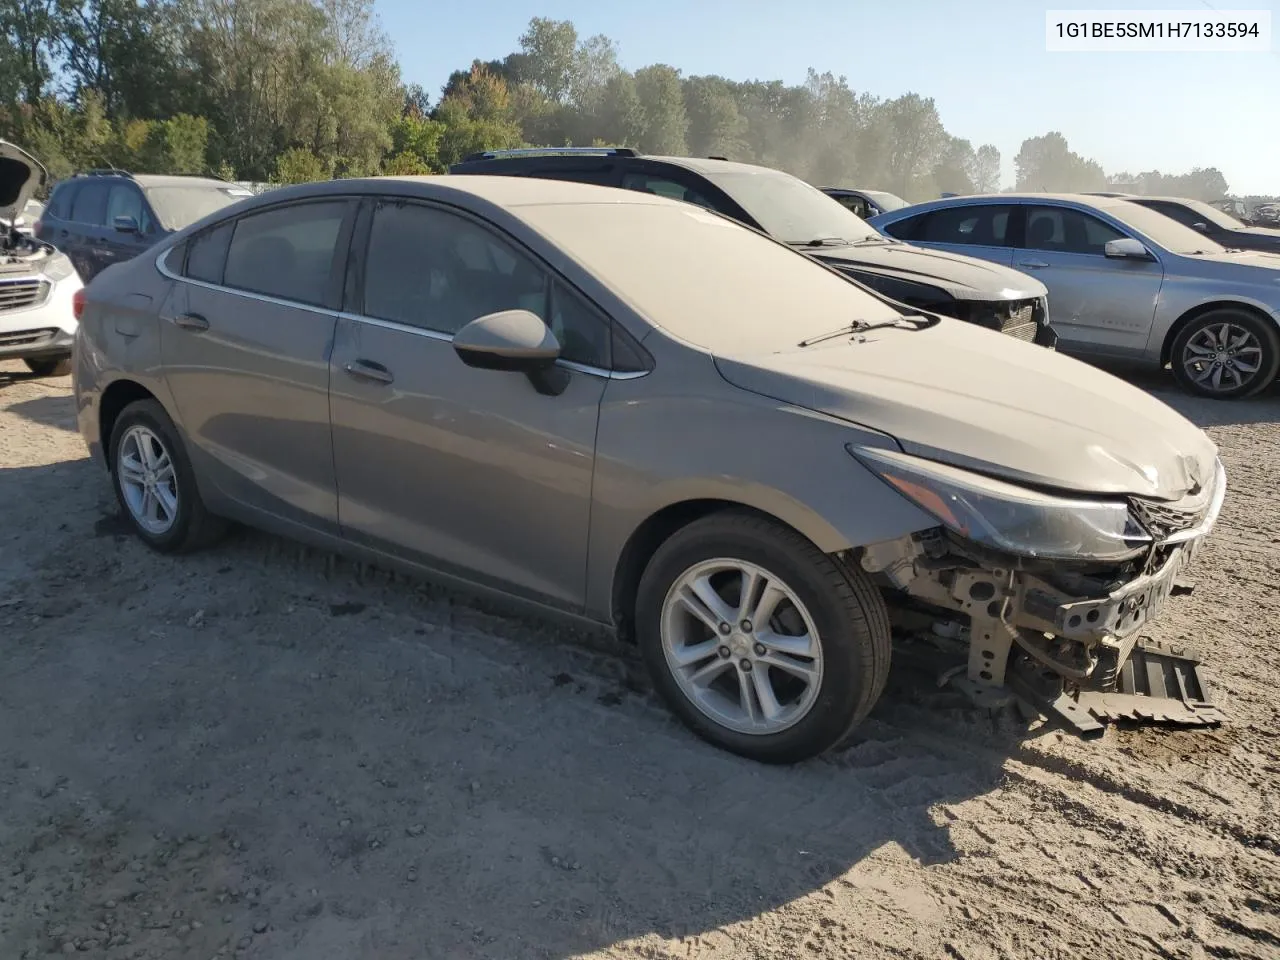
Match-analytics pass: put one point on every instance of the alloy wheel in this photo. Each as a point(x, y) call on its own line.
point(1222, 356)
point(147, 479)
point(742, 646)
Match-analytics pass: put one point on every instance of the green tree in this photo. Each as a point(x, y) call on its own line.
point(716, 126)
point(297, 165)
point(1047, 163)
point(664, 121)
point(29, 32)
point(986, 169)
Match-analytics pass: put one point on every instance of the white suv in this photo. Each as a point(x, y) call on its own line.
point(38, 285)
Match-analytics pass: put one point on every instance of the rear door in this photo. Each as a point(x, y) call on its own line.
point(246, 355)
point(976, 230)
point(470, 471)
point(1099, 304)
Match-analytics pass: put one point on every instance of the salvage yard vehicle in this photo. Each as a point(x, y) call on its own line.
point(798, 213)
point(865, 203)
point(101, 217)
point(1127, 283)
point(583, 399)
point(1218, 226)
point(38, 285)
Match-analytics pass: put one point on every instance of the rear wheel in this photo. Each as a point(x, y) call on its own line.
point(1226, 354)
point(55, 367)
point(760, 642)
point(154, 482)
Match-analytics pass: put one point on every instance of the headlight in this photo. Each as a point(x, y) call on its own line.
point(58, 267)
point(1008, 517)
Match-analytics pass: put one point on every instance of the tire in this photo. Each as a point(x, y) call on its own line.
point(841, 605)
point(1204, 332)
point(189, 525)
point(55, 367)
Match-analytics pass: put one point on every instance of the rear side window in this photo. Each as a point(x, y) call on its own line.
point(983, 226)
point(90, 205)
point(207, 253)
point(286, 252)
point(60, 201)
point(648, 183)
point(603, 176)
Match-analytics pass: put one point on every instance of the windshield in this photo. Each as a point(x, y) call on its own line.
point(181, 206)
point(1212, 214)
point(887, 201)
point(1161, 229)
point(790, 209)
point(702, 277)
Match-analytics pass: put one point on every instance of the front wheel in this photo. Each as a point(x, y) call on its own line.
point(760, 642)
point(1226, 354)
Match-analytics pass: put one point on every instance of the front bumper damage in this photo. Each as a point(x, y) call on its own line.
point(1062, 638)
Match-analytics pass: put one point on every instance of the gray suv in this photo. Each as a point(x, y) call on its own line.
point(584, 400)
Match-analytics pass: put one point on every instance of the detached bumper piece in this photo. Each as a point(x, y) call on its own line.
point(1158, 683)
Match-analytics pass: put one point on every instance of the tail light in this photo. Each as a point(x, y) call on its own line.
point(77, 303)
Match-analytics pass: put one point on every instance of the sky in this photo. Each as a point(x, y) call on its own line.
point(982, 61)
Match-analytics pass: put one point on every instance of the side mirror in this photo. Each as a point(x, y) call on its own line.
point(513, 340)
point(1127, 248)
point(125, 224)
point(1202, 227)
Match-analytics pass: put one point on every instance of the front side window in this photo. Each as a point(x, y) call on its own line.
point(853, 203)
point(664, 187)
point(125, 201)
point(90, 205)
point(439, 271)
point(286, 252)
point(1063, 230)
point(982, 226)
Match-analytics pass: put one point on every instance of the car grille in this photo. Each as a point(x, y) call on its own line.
point(1163, 520)
point(26, 338)
point(18, 294)
point(1020, 320)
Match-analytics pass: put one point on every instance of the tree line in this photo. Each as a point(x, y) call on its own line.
point(296, 90)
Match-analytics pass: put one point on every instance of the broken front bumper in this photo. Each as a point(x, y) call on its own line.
point(1065, 644)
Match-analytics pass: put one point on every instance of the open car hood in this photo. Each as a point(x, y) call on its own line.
point(20, 176)
point(982, 401)
point(964, 278)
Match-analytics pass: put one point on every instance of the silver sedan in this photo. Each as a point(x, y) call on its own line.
point(1125, 282)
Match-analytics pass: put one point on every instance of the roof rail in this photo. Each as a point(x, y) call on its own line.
point(551, 152)
point(104, 172)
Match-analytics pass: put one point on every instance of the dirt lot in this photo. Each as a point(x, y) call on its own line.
point(263, 753)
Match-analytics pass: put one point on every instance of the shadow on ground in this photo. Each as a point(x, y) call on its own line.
point(378, 769)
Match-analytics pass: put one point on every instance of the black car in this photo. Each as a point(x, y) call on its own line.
point(865, 203)
point(101, 217)
point(1217, 225)
point(801, 215)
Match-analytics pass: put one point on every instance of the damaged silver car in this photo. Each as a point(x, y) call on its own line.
point(640, 414)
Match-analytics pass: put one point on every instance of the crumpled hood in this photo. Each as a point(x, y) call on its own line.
point(965, 278)
point(979, 400)
point(20, 176)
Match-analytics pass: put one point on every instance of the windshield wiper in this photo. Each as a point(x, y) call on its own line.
point(914, 321)
point(820, 242)
point(875, 238)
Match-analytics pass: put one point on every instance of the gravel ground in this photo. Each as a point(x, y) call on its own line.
point(262, 752)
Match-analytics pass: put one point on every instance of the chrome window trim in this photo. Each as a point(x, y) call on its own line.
point(248, 294)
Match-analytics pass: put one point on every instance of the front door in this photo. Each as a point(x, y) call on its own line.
point(1098, 304)
point(246, 350)
point(470, 471)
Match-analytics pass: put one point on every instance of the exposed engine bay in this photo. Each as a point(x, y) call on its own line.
point(20, 253)
point(1060, 637)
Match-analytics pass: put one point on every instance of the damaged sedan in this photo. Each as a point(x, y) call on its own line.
point(639, 414)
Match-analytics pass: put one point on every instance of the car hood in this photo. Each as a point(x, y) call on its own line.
point(20, 176)
point(982, 401)
point(1241, 264)
point(965, 278)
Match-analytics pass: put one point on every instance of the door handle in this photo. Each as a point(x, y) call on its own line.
point(191, 321)
point(1032, 264)
point(368, 370)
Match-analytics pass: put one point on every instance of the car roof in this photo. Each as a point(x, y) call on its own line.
point(1101, 203)
point(170, 180)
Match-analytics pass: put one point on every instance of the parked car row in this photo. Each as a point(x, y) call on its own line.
point(644, 414)
point(1125, 281)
